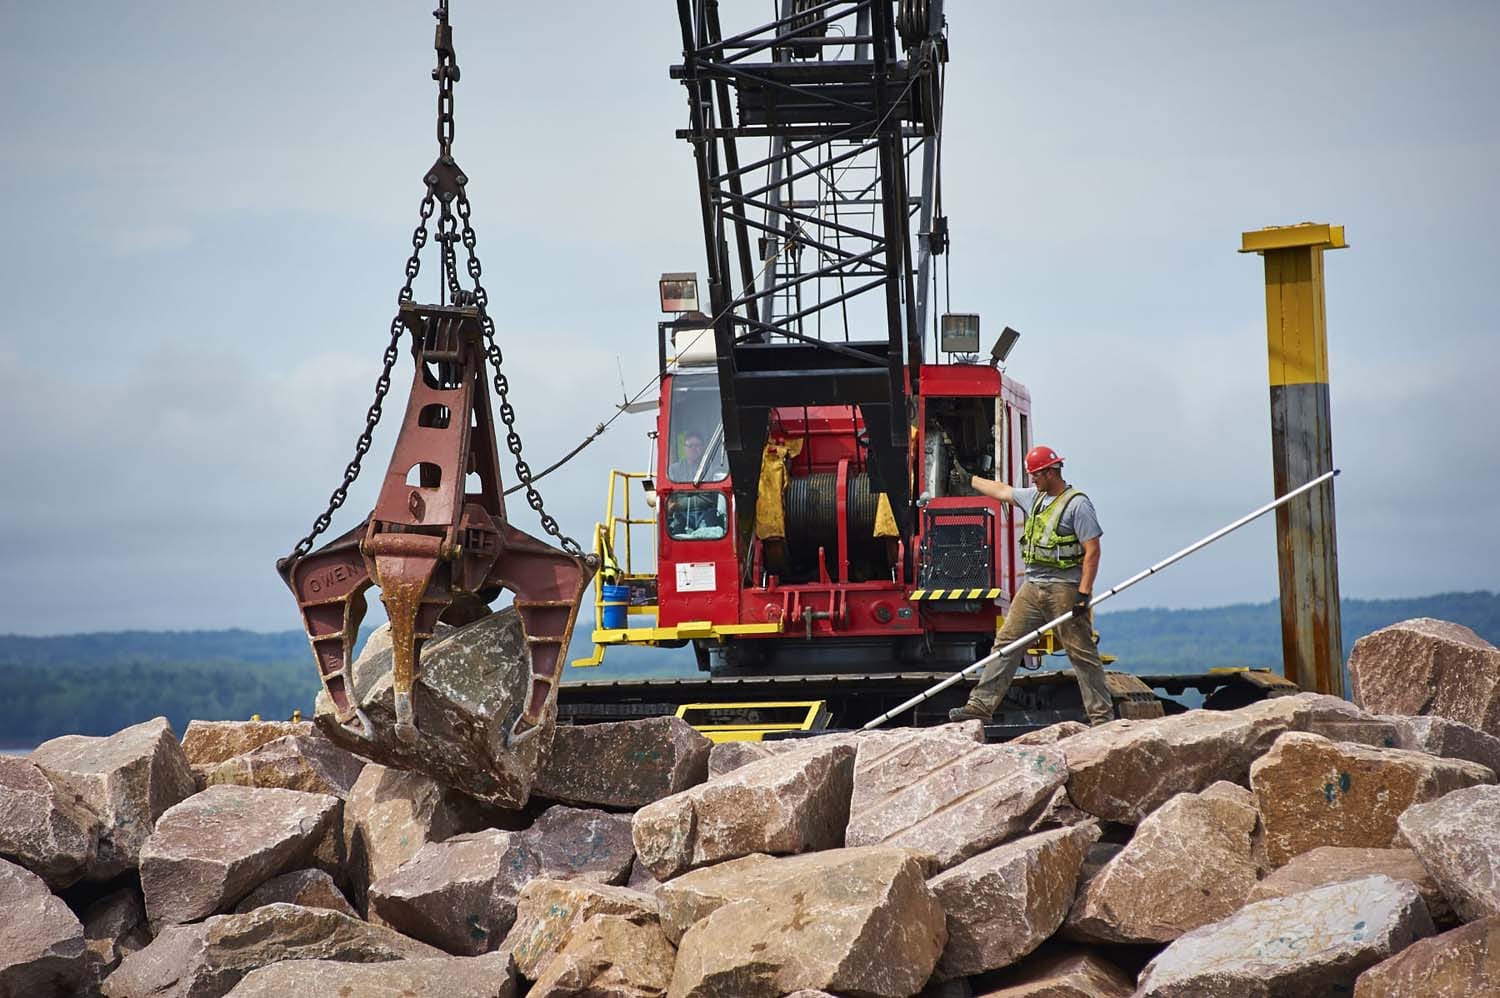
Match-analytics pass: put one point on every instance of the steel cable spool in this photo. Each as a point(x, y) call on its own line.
point(812, 515)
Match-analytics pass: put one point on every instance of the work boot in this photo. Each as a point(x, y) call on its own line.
point(969, 712)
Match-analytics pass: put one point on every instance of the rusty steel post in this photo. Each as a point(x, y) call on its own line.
point(1302, 449)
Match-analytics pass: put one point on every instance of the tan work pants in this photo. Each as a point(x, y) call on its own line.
point(1034, 605)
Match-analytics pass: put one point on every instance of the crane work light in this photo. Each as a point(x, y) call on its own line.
point(960, 332)
point(679, 293)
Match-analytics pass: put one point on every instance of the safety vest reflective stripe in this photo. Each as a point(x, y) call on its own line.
point(1040, 542)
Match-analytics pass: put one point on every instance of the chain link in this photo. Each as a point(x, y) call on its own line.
point(447, 234)
point(382, 384)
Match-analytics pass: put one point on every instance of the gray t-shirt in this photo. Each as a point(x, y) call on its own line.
point(1078, 519)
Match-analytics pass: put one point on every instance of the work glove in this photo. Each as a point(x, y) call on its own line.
point(960, 480)
point(1081, 605)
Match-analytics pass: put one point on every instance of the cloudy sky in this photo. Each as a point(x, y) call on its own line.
point(207, 207)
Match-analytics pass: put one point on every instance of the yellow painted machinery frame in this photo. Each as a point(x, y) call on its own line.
point(612, 539)
point(814, 718)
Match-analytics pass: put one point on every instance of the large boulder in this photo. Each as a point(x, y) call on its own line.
point(1461, 963)
point(585, 843)
point(1005, 902)
point(1124, 770)
point(207, 959)
point(208, 743)
point(623, 764)
point(113, 927)
point(1059, 972)
point(213, 848)
point(127, 779)
point(390, 814)
point(1051, 734)
point(848, 921)
point(1313, 943)
point(42, 952)
point(1337, 864)
point(726, 756)
point(308, 888)
point(1449, 739)
point(948, 796)
point(473, 683)
point(440, 977)
point(1457, 838)
point(458, 894)
point(1427, 666)
point(47, 831)
point(789, 803)
point(612, 955)
point(310, 763)
point(1313, 792)
point(1191, 862)
point(547, 912)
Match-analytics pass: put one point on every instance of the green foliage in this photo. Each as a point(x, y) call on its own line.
point(98, 683)
point(1249, 634)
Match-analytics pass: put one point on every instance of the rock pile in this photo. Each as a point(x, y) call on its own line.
point(1298, 846)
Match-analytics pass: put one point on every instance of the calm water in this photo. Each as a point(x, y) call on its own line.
point(14, 751)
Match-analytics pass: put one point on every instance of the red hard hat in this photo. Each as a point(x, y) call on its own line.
point(1040, 457)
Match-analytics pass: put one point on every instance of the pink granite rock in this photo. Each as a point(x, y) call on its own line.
point(310, 763)
point(1313, 943)
point(47, 831)
point(472, 684)
point(213, 848)
point(548, 911)
point(582, 843)
point(42, 951)
point(208, 743)
point(1313, 792)
point(1462, 963)
point(307, 888)
point(390, 814)
point(488, 976)
point(848, 921)
point(458, 894)
point(950, 797)
point(1124, 770)
point(789, 803)
point(612, 955)
point(624, 764)
point(1005, 902)
point(207, 959)
point(127, 780)
point(1427, 666)
point(1457, 838)
point(1337, 864)
point(1191, 862)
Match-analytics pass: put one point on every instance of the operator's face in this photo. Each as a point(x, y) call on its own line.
point(692, 448)
point(1047, 479)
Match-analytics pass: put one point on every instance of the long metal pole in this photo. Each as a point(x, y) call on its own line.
point(1026, 640)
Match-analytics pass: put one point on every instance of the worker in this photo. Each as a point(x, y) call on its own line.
point(683, 469)
point(1060, 546)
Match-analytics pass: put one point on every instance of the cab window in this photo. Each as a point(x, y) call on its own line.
point(693, 515)
point(696, 439)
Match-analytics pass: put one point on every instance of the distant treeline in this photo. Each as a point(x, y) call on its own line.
point(99, 683)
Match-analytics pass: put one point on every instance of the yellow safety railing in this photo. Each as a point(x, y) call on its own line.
point(612, 538)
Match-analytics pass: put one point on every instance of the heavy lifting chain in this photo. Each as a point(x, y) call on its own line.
point(445, 187)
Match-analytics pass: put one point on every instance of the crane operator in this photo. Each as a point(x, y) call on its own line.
point(1060, 546)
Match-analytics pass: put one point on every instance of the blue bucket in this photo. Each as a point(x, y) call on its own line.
point(616, 606)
